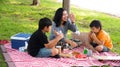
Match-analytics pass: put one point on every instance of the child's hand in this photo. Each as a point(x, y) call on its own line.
point(93, 35)
point(56, 33)
point(60, 36)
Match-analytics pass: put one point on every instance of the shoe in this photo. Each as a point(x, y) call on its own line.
point(56, 56)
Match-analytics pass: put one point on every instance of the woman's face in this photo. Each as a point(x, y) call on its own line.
point(64, 16)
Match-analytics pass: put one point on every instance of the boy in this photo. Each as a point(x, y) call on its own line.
point(100, 40)
point(39, 46)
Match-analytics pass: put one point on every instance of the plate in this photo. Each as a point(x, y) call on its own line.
point(81, 58)
point(107, 57)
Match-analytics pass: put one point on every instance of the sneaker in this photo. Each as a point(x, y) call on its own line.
point(56, 56)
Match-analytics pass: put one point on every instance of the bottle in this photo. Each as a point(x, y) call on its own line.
point(26, 45)
point(89, 53)
point(85, 50)
point(21, 49)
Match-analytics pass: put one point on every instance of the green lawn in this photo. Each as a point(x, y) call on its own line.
point(19, 16)
point(2, 62)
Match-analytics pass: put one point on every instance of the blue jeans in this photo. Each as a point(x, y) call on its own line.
point(44, 52)
point(105, 49)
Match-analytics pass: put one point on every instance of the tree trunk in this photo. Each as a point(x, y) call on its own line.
point(66, 5)
point(36, 2)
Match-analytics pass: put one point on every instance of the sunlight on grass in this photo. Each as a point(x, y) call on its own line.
point(34, 26)
point(14, 2)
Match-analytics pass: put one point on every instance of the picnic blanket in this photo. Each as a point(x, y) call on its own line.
point(4, 42)
point(15, 58)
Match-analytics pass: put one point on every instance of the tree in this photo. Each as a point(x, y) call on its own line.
point(66, 5)
point(36, 2)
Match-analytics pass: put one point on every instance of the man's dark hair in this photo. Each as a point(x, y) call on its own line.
point(96, 23)
point(44, 22)
point(58, 16)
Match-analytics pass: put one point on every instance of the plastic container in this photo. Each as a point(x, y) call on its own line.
point(85, 50)
point(18, 40)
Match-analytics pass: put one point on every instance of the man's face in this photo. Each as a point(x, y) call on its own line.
point(95, 30)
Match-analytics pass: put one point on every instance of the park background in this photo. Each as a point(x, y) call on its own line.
point(19, 16)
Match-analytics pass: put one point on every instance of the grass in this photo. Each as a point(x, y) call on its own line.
point(2, 62)
point(19, 16)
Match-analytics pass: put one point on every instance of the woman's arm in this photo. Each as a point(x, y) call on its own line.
point(72, 43)
point(71, 23)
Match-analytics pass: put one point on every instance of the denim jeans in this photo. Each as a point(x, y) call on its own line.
point(44, 52)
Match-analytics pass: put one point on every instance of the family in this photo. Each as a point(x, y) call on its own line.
point(40, 45)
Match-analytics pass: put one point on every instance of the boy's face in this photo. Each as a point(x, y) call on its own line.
point(47, 29)
point(95, 30)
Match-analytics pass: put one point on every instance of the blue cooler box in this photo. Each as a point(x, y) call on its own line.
point(18, 40)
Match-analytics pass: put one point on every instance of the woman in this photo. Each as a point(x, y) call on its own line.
point(62, 24)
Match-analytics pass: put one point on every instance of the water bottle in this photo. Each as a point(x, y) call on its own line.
point(21, 49)
point(26, 44)
point(89, 53)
